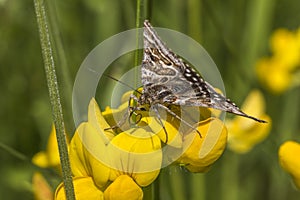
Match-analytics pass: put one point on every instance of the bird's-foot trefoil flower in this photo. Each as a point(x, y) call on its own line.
point(101, 155)
point(203, 152)
point(84, 189)
point(123, 188)
point(281, 70)
point(289, 160)
point(131, 158)
point(244, 134)
point(50, 157)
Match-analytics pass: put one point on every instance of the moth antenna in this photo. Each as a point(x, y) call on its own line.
point(115, 79)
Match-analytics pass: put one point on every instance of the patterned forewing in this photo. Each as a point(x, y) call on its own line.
point(161, 67)
point(166, 78)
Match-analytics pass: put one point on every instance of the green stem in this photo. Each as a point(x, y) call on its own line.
point(13, 152)
point(148, 192)
point(198, 187)
point(137, 41)
point(137, 26)
point(54, 96)
point(177, 183)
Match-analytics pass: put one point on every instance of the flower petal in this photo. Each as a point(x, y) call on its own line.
point(203, 152)
point(50, 157)
point(96, 119)
point(170, 135)
point(243, 133)
point(253, 105)
point(87, 151)
point(284, 45)
point(136, 152)
point(289, 159)
point(41, 159)
point(242, 141)
point(84, 189)
point(125, 188)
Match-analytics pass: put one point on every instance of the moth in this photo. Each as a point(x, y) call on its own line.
point(168, 80)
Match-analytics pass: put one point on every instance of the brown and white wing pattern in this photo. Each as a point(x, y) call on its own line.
point(167, 79)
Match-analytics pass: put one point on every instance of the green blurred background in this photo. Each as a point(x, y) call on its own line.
point(234, 32)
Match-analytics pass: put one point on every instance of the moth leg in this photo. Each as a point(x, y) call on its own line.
point(179, 118)
point(161, 123)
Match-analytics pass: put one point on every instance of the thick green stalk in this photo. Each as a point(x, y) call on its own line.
point(137, 41)
point(54, 96)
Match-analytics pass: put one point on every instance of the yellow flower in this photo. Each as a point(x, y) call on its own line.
point(273, 74)
point(84, 189)
point(125, 188)
point(244, 134)
point(284, 44)
point(83, 162)
point(290, 161)
point(104, 157)
point(137, 155)
point(125, 153)
point(278, 73)
point(133, 158)
point(201, 153)
point(50, 157)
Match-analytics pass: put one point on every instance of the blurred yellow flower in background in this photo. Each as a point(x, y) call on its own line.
point(286, 44)
point(50, 157)
point(281, 71)
point(289, 160)
point(244, 134)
